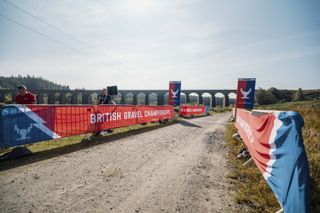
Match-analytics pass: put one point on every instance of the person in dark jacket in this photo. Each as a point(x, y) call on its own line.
point(104, 98)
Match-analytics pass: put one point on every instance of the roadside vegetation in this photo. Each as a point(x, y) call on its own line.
point(274, 95)
point(217, 110)
point(253, 193)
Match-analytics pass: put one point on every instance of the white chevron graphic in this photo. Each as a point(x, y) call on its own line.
point(39, 122)
point(174, 93)
point(245, 93)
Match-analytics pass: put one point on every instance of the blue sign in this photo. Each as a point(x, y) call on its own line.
point(19, 125)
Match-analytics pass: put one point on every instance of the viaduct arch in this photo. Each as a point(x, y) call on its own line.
point(151, 97)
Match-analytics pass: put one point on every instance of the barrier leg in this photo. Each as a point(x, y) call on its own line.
point(247, 162)
point(87, 137)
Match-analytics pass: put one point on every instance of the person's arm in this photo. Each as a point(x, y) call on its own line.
point(112, 102)
point(99, 99)
point(33, 99)
point(16, 99)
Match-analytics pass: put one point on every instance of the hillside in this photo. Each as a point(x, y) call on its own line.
point(32, 82)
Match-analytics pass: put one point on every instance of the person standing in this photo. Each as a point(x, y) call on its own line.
point(104, 98)
point(24, 96)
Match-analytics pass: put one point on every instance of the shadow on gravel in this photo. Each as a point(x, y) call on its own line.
point(194, 117)
point(84, 144)
point(186, 123)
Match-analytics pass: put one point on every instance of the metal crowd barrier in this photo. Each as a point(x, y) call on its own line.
point(26, 124)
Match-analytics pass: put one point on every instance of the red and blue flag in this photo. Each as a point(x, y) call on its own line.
point(245, 94)
point(174, 93)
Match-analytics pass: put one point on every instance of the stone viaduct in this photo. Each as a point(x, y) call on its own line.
point(135, 97)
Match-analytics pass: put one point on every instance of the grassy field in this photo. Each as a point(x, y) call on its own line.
point(252, 190)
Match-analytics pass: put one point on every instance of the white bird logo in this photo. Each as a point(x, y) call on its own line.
point(23, 132)
point(174, 93)
point(245, 93)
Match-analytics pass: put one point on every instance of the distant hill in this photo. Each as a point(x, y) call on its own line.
point(32, 82)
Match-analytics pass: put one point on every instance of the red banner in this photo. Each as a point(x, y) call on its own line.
point(75, 120)
point(255, 132)
point(186, 110)
point(30, 123)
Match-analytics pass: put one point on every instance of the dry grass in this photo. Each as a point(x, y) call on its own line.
point(252, 189)
point(217, 110)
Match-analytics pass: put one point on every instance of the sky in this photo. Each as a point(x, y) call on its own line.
point(144, 44)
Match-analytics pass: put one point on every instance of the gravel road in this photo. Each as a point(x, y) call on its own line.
point(176, 168)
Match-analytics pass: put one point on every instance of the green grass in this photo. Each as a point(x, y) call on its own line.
point(252, 190)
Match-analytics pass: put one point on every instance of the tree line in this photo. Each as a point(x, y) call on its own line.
point(274, 95)
point(32, 82)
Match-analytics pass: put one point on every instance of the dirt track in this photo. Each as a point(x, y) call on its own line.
point(177, 168)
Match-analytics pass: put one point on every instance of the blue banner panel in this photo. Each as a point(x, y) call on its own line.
point(19, 125)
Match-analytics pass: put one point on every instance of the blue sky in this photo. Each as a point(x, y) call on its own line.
point(143, 44)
